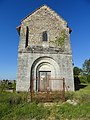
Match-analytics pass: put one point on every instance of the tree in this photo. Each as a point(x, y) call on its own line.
point(77, 71)
point(86, 66)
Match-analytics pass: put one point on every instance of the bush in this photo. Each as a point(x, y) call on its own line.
point(88, 78)
point(83, 79)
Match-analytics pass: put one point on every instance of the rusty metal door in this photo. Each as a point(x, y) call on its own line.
point(44, 77)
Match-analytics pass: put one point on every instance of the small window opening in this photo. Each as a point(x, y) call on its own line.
point(45, 36)
point(27, 33)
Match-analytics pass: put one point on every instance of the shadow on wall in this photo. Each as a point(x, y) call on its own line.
point(78, 84)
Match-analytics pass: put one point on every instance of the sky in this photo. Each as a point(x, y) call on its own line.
point(75, 12)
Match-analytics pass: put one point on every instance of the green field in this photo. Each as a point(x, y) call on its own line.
point(13, 106)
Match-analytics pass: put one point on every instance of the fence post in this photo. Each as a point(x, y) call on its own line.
point(63, 89)
point(31, 89)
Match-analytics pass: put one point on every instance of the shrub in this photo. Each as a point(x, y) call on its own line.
point(88, 78)
point(83, 79)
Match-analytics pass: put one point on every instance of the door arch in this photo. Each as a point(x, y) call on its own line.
point(44, 64)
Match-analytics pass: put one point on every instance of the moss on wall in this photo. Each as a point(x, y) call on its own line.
point(61, 39)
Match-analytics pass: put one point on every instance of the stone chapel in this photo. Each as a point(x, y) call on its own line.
point(44, 52)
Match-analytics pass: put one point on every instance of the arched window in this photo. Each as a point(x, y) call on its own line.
point(45, 36)
point(27, 33)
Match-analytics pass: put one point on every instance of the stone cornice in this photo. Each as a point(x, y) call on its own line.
point(43, 50)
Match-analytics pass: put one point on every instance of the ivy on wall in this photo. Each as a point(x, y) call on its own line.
point(61, 39)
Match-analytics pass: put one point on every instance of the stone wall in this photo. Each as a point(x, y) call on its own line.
point(25, 61)
point(44, 20)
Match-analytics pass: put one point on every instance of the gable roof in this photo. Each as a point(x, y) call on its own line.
point(46, 7)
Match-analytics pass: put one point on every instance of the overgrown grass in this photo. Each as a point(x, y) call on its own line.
point(83, 95)
point(13, 106)
point(26, 111)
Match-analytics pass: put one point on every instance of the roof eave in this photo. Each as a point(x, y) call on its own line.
point(33, 12)
point(18, 29)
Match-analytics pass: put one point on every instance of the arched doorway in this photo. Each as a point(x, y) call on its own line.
point(42, 71)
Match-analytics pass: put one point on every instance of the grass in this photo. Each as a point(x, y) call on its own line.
point(13, 106)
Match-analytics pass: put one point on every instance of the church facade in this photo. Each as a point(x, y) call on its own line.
point(44, 52)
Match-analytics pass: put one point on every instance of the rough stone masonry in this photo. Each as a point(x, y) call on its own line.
point(44, 52)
